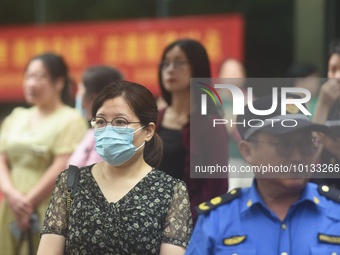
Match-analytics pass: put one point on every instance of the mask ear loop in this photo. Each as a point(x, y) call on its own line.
point(135, 132)
point(140, 147)
point(138, 129)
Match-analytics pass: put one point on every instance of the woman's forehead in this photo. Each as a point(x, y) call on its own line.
point(115, 106)
point(175, 52)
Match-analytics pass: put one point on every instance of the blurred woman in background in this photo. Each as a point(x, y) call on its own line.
point(35, 144)
point(182, 60)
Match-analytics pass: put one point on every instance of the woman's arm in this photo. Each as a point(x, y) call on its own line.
point(54, 230)
point(5, 181)
point(44, 187)
point(18, 203)
point(170, 249)
point(329, 93)
point(178, 223)
point(23, 205)
point(51, 244)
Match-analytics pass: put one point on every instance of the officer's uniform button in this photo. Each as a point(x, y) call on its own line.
point(325, 188)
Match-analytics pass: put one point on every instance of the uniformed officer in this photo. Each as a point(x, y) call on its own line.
point(282, 213)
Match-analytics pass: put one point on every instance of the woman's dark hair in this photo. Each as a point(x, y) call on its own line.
point(334, 47)
point(96, 78)
point(56, 68)
point(142, 103)
point(198, 60)
point(301, 70)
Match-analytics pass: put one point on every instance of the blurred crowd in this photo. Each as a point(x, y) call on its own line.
point(135, 193)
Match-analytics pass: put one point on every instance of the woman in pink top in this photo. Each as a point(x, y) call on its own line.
point(94, 80)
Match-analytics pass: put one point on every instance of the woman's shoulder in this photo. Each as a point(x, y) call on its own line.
point(20, 111)
point(68, 117)
point(69, 111)
point(164, 186)
point(166, 178)
point(83, 172)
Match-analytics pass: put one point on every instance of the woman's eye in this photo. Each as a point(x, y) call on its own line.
point(120, 122)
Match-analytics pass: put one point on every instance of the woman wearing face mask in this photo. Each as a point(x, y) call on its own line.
point(122, 205)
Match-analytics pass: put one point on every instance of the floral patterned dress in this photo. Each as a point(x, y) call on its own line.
point(155, 211)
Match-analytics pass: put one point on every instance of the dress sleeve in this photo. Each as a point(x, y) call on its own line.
point(178, 223)
point(6, 126)
point(55, 216)
point(3, 131)
point(201, 242)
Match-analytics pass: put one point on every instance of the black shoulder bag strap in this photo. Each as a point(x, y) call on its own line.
point(72, 184)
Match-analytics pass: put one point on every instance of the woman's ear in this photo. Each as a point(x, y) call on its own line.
point(150, 131)
point(246, 150)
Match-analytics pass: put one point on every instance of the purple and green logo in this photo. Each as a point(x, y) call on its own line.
point(213, 94)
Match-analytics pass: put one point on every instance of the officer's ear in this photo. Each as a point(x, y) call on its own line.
point(247, 150)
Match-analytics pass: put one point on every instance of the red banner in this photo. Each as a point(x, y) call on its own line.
point(134, 46)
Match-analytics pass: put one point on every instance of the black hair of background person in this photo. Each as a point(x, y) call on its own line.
point(297, 71)
point(198, 60)
point(101, 76)
point(57, 68)
point(200, 68)
point(301, 70)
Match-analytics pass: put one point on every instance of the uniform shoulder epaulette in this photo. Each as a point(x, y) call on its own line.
point(329, 192)
point(217, 201)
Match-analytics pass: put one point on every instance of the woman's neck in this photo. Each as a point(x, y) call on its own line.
point(41, 112)
point(180, 103)
point(50, 107)
point(135, 170)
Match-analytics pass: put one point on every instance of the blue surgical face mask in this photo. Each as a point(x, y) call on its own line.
point(78, 105)
point(114, 144)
